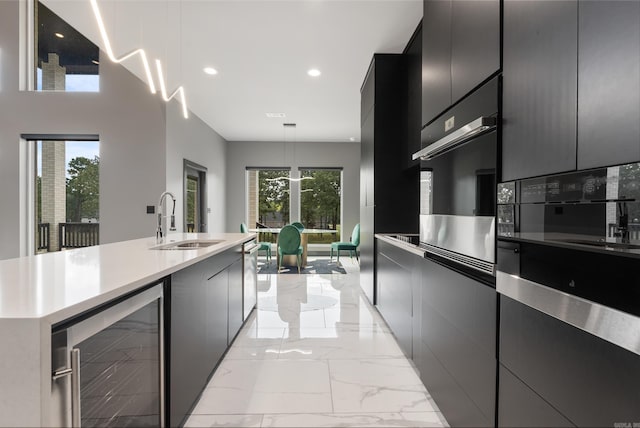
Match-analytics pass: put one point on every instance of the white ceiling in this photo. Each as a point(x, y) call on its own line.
point(262, 50)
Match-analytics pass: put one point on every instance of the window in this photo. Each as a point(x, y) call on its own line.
point(268, 198)
point(195, 197)
point(65, 60)
point(321, 202)
point(67, 194)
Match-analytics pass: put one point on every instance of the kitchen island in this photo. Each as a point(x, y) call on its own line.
point(38, 293)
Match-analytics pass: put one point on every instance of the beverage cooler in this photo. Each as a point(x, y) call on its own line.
point(107, 365)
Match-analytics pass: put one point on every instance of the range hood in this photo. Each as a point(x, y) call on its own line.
point(460, 136)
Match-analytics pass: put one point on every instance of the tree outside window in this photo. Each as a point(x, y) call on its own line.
point(320, 201)
point(268, 199)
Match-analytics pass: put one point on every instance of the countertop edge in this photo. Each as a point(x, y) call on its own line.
point(137, 281)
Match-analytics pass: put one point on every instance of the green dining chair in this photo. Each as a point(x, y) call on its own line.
point(289, 244)
point(352, 246)
point(266, 246)
point(298, 226)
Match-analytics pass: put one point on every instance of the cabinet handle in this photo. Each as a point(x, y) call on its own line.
point(515, 250)
point(75, 388)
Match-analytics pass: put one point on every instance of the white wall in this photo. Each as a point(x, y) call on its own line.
point(241, 155)
point(136, 130)
point(195, 141)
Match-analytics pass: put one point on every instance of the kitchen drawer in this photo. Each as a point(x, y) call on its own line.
point(520, 406)
point(589, 380)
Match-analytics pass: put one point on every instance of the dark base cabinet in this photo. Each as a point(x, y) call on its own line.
point(235, 300)
point(367, 255)
point(203, 311)
point(456, 357)
point(394, 290)
point(588, 381)
point(520, 406)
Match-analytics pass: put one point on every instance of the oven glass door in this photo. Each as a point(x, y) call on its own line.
point(458, 199)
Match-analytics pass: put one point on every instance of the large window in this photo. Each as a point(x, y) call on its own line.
point(65, 60)
point(67, 193)
point(268, 198)
point(320, 203)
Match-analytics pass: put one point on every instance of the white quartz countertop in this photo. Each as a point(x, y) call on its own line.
point(55, 286)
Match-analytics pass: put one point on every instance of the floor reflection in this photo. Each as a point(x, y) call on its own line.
point(315, 353)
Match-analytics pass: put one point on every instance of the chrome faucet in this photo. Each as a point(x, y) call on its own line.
point(622, 227)
point(172, 227)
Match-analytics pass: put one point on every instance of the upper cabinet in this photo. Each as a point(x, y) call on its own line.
point(460, 50)
point(571, 86)
point(539, 88)
point(475, 44)
point(436, 58)
point(413, 53)
point(608, 83)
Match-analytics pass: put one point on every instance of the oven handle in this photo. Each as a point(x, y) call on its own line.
point(472, 129)
point(614, 326)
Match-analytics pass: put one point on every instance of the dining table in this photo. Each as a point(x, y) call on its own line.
point(304, 239)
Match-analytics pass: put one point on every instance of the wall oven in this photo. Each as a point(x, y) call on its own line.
point(458, 182)
point(569, 246)
point(108, 365)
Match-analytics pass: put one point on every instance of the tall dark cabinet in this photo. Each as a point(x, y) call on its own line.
point(388, 191)
point(413, 53)
point(460, 50)
point(608, 83)
point(539, 87)
point(436, 59)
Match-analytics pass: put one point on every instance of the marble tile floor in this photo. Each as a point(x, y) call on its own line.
point(315, 354)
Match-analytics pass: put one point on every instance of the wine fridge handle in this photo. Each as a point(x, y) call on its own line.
point(75, 388)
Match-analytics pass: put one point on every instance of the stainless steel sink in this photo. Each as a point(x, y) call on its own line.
point(187, 245)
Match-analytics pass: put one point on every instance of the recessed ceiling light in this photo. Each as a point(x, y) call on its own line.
point(211, 71)
point(314, 72)
point(275, 115)
point(59, 35)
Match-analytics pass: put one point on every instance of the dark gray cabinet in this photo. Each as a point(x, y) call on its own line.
point(608, 83)
point(235, 300)
point(389, 192)
point(394, 270)
point(589, 381)
point(436, 58)
point(413, 53)
point(200, 318)
point(216, 299)
point(460, 50)
point(189, 344)
point(446, 322)
point(520, 406)
point(539, 87)
point(475, 44)
point(456, 356)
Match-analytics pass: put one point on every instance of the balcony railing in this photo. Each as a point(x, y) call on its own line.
point(43, 236)
point(634, 230)
point(77, 235)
